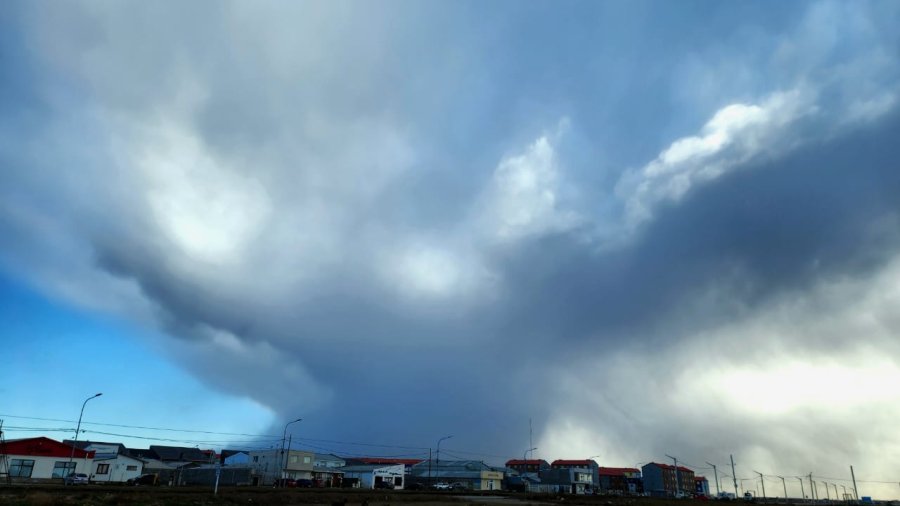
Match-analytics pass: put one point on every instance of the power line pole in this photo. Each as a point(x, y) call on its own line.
point(855, 491)
point(733, 476)
point(716, 473)
point(677, 485)
point(762, 482)
point(785, 487)
point(835, 490)
point(812, 488)
point(802, 492)
point(827, 493)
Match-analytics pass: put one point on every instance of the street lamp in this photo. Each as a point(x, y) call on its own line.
point(77, 430)
point(437, 458)
point(677, 485)
point(283, 463)
point(525, 455)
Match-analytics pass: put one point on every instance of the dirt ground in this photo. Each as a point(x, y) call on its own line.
point(93, 495)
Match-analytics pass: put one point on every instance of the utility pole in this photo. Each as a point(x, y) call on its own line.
point(716, 473)
point(812, 488)
point(762, 481)
point(734, 476)
point(677, 485)
point(783, 484)
point(855, 491)
point(827, 493)
point(835, 490)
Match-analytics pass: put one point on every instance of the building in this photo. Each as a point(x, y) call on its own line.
point(620, 481)
point(374, 476)
point(269, 465)
point(327, 470)
point(659, 480)
point(530, 466)
point(42, 458)
point(469, 474)
point(701, 486)
point(235, 458)
point(112, 463)
point(569, 480)
point(579, 464)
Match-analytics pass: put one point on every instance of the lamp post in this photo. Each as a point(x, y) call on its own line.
point(77, 430)
point(677, 485)
point(525, 455)
point(437, 458)
point(282, 460)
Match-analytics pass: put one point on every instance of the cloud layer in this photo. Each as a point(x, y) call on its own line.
point(401, 222)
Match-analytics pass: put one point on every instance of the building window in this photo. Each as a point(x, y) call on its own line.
point(63, 469)
point(306, 460)
point(21, 468)
point(131, 468)
point(102, 468)
point(293, 459)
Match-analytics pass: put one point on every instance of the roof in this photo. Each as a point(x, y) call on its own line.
point(181, 453)
point(617, 471)
point(382, 460)
point(43, 447)
point(667, 466)
point(581, 463)
point(700, 478)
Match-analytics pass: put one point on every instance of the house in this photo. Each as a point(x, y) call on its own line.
point(112, 463)
point(327, 470)
point(530, 466)
point(407, 463)
point(569, 480)
point(235, 458)
point(269, 465)
point(660, 480)
point(701, 486)
point(374, 476)
point(42, 458)
point(579, 464)
point(620, 480)
point(470, 474)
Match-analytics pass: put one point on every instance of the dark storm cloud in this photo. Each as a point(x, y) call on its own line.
point(402, 223)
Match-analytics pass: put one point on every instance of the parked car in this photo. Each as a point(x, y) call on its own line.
point(458, 486)
point(76, 479)
point(414, 486)
point(144, 479)
point(385, 484)
point(304, 483)
point(441, 486)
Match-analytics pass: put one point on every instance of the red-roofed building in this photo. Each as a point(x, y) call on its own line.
point(42, 458)
point(701, 486)
point(620, 480)
point(660, 480)
point(527, 466)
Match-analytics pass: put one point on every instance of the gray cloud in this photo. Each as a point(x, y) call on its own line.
point(331, 199)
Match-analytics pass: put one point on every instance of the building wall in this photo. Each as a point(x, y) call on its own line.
point(42, 467)
point(118, 470)
point(491, 480)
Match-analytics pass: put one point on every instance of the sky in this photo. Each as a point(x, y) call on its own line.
point(611, 229)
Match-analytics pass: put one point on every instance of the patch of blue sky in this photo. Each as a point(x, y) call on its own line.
point(56, 356)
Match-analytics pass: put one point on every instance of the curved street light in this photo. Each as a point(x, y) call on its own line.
point(77, 430)
point(525, 455)
point(283, 462)
point(437, 458)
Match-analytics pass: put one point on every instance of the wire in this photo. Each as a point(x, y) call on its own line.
point(140, 427)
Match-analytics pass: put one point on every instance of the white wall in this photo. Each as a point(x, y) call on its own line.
point(118, 469)
point(43, 466)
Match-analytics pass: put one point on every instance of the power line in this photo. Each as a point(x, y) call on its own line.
point(141, 427)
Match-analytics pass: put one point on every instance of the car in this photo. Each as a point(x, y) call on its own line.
point(76, 479)
point(458, 486)
point(414, 486)
point(304, 483)
point(144, 479)
point(384, 484)
point(441, 486)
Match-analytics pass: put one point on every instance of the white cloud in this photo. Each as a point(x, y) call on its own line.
point(524, 198)
point(735, 135)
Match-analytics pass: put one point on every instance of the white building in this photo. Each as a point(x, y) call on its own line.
point(42, 458)
point(373, 475)
point(111, 464)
